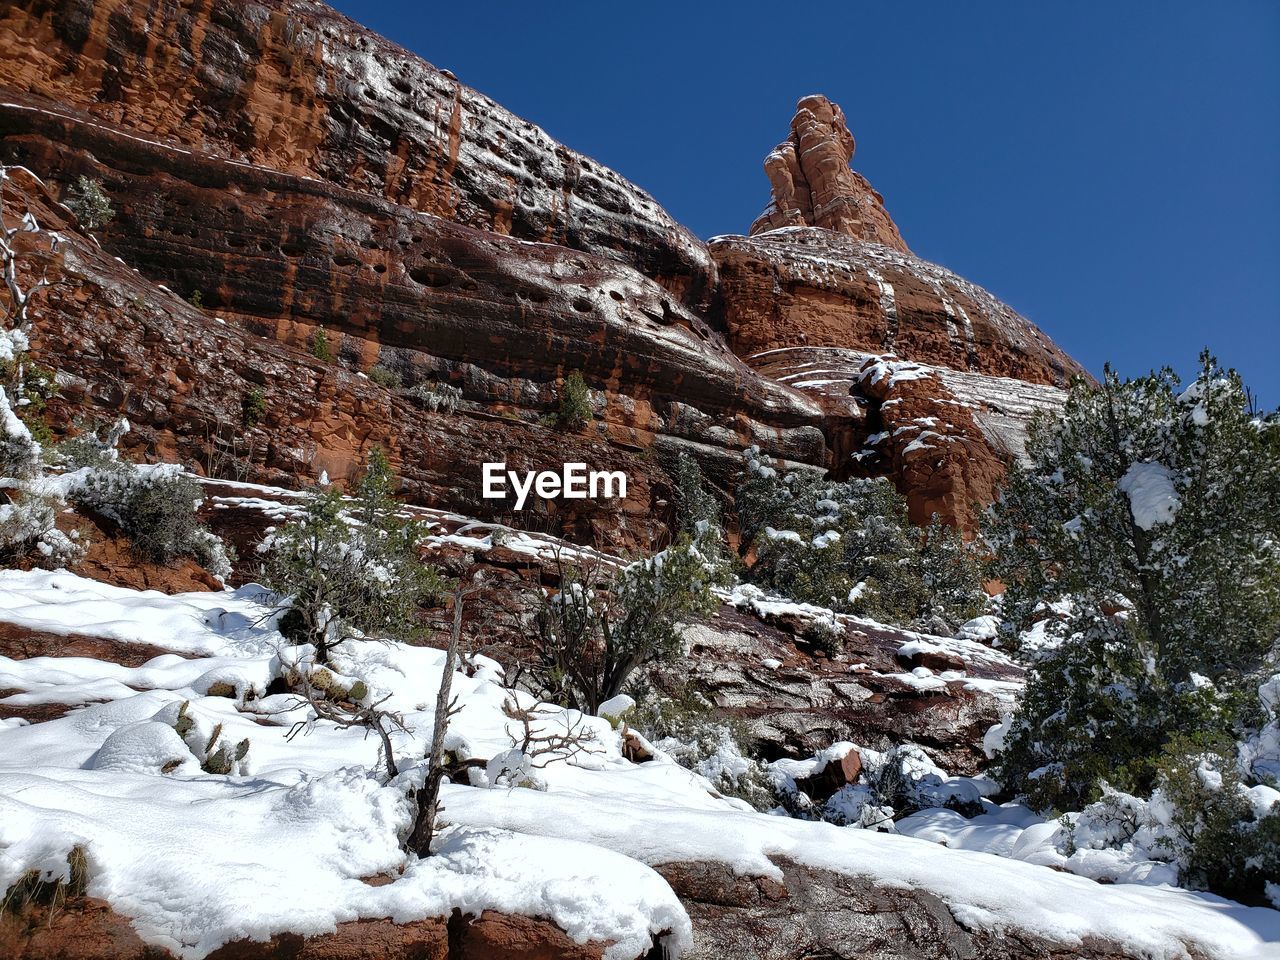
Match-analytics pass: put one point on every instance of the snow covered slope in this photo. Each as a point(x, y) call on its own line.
point(199, 859)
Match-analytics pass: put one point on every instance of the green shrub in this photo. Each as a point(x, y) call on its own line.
point(825, 635)
point(89, 203)
point(29, 533)
point(385, 377)
point(253, 407)
point(699, 737)
point(575, 403)
point(320, 345)
point(343, 570)
point(196, 299)
point(94, 446)
point(25, 389)
point(850, 547)
point(29, 387)
point(1145, 620)
point(1220, 843)
point(698, 515)
point(155, 507)
point(436, 396)
point(599, 628)
point(19, 452)
point(694, 501)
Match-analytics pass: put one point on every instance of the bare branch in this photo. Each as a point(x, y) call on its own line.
point(574, 737)
point(346, 714)
point(428, 796)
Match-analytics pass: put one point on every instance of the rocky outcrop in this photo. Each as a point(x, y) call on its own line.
point(810, 287)
point(943, 436)
point(437, 303)
point(825, 266)
point(813, 186)
point(794, 700)
point(926, 439)
point(293, 86)
point(296, 174)
point(820, 913)
point(88, 929)
point(810, 308)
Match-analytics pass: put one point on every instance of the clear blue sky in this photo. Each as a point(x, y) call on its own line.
point(1110, 169)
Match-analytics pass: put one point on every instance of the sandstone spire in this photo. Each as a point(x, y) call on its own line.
point(813, 185)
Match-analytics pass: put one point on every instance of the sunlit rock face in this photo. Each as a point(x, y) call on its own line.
point(824, 285)
point(812, 184)
point(295, 87)
point(301, 174)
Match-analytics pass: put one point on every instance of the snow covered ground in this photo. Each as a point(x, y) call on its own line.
point(198, 859)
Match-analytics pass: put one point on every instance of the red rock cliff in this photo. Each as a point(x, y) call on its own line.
point(824, 283)
point(302, 174)
point(294, 86)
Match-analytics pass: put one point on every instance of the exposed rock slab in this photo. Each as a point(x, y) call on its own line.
point(817, 913)
point(503, 320)
point(944, 437)
point(88, 929)
point(808, 701)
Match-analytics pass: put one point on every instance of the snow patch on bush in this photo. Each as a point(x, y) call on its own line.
point(1153, 494)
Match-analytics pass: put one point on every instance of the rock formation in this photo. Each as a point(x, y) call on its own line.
point(809, 701)
point(811, 287)
point(817, 913)
point(295, 173)
point(824, 286)
point(86, 928)
point(295, 87)
point(813, 185)
point(279, 172)
point(436, 302)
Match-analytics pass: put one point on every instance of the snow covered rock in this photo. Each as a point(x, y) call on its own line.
point(616, 708)
point(804, 704)
point(834, 770)
point(147, 747)
point(982, 629)
point(931, 656)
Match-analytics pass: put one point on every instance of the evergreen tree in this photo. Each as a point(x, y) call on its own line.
point(951, 574)
point(695, 502)
point(849, 546)
point(349, 568)
point(89, 203)
point(598, 629)
point(1141, 551)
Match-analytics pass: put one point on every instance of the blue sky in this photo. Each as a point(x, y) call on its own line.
point(1110, 169)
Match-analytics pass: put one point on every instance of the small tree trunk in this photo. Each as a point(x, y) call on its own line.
point(392, 770)
point(429, 794)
